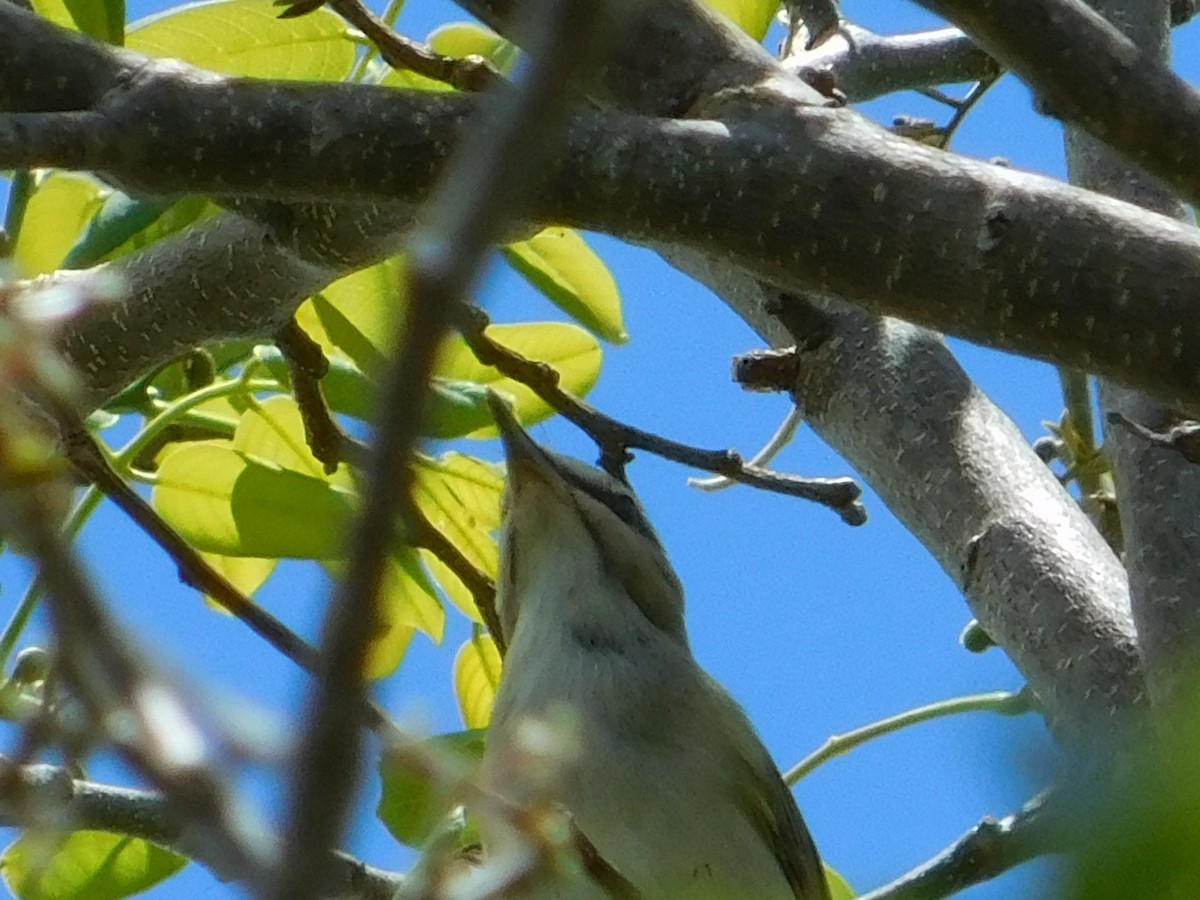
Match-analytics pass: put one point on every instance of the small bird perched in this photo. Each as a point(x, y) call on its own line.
point(662, 774)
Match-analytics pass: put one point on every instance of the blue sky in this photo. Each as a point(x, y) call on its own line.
point(815, 627)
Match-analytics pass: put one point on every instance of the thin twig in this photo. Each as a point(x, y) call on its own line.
point(485, 188)
point(307, 365)
point(91, 463)
point(472, 73)
point(194, 570)
point(613, 437)
point(780, 439)
point(483, 590)
point(989, 849)
point(1006, 703)
point(1183, 437)
point(966, 104)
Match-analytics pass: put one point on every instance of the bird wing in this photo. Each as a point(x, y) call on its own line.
point(769, 805)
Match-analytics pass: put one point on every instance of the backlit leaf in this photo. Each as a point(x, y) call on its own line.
point(103, 20)
point(476, 677)
point(570, 349)
point(273, 430)
point(60, 206)
point(226, 501)
point(451, 585)
point(87, 865)
point(560, 264)
point(246, 573)
point(460, 496)
point(839, 889)
point(356, 315)
point(751, 16)
point(411, 804)
point(244, 38)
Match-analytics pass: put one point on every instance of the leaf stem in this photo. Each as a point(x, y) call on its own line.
point(1006, 703)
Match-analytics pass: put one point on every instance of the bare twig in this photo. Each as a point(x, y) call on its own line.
point(90, 461)
point(990, 848)
point(307, 365)
point(1182, 437)
point(486, 187)
point(483, 589)
point(473, 73)
point(1005, 703)
point(839, 494)
point(194, 569)
point(148, 815)
point(966, 104)
point(780, 439)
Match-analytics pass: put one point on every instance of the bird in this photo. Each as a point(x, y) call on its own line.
point(603, 712)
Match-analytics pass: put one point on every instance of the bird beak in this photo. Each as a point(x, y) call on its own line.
point(520, 450)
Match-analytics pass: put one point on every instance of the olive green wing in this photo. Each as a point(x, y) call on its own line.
point(769, 805)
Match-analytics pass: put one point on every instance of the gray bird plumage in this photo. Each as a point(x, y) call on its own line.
point(663, 774)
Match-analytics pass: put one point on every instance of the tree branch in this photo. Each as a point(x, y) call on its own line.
point(1157, 490)
point(1123, 95)
point(988, 267)
point(470, 74)
point(233, 276)
point(989, 849)
point(865, 65)
point(614, 438)
point(150, 816)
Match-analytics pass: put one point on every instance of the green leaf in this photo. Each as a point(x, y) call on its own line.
point(568, 348)
point(407, 602)
point(476, 677)
point(560, 264)
point(226, 501)
point(751, 16)
point(462, 39)
point(839, 889)
point(355, 317)
point(273, 430)
point(246, 573)
point(119, 218)
point(244, 38)
point(411, 805)
point(103, 20)
point(455, 409)
point(451, 586)
point(87, 865)
point(460, 496)
point(125, 224)
point(414, 601)
point(60, 207)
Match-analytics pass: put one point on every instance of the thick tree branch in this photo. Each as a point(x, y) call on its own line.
point(891, 399)
point(1157, 490)
point(1011, 260)
point(865, 65)
point(1090, 75)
